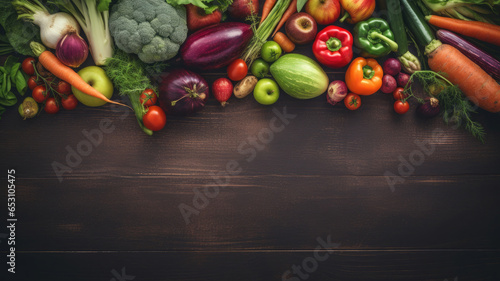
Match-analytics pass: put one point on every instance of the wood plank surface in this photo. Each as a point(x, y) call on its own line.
point(266, 212)
point(290, 265)
point(248, 191)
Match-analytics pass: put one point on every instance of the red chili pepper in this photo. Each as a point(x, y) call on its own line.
point(333, 47)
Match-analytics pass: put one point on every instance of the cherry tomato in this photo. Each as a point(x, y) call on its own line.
point(28, 65)
point(155, 119)
point(40, 93)
point(51, 106)
point(401, 107)
point(33, 82)
point(148, 97)
point(63, 88)
point(398, 94)
point(69, 102)
point(352, 101)
point(237, 70)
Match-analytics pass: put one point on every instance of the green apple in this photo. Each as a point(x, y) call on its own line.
point(259, 68)
point(97, 78)
point(270, 51)
point(266, 91)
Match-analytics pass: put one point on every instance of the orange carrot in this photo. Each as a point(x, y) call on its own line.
point(286, 15)
point(480, 30)
point(474, 82)
point(266, 8)
point(63, 72)
point(286, 44)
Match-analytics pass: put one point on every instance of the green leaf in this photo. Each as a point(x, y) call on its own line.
point(5, 47)
point(208, 5)
point(20, 81)
point(7, 10)
point(20, 33)
point(300, 4)
point(103, 5)
point(5, 83)
point(9, 100)
point(3, 37)
point(198, 3)
point(9, 64)
point(8, 84)
point(14, 69)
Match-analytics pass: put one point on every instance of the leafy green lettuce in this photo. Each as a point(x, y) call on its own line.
point(19, 33)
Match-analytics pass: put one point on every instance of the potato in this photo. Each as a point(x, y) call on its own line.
point(245, 87)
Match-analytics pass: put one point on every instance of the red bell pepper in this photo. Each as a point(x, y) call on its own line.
point(333, 47)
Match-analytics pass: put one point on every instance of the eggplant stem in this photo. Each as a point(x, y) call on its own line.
point(183, 97)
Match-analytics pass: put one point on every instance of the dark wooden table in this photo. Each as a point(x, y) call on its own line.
point(297, 190)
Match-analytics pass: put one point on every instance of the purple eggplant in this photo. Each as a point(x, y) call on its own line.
point(216, 46)
point(183, 92)
point(481, 58)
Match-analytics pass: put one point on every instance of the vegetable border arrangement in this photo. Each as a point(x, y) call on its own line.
point(441, 54)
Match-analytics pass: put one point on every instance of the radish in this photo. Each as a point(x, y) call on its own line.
point(402, 79)
point(391, 66)
point(389, 84)
point(337, 90)
point(222, 89)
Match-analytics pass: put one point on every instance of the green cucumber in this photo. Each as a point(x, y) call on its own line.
point(415, 21)
point(299, 76)
point(395, 19)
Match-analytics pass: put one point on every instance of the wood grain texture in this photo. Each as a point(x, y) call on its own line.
point(265, 212)
point(319, 174)
point(251, 266)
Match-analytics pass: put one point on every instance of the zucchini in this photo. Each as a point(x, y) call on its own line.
point(415, 21)
point(395, 19)
point(299, 76)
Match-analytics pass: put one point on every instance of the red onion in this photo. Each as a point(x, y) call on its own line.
point(72, 50)
point(429, 108)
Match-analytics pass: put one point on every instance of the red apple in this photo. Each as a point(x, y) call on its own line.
point(324, 11)
point(241, 9)
point(301, 28)
point(197, 18)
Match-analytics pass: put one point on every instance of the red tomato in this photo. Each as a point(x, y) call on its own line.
point(237, 70)
point(148, 97)
point(399, 94)
point(352, 101)
point(155, 119)
point(69, 102)
point(63, 88)
point(401, 107)
point(51, 106)
point(28, 65)
point(40, 93)
point(33, 82)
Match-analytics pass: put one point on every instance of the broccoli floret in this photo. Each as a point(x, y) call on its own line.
point(152, 29)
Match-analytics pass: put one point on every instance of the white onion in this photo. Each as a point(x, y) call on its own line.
point(72, 50)
point(54, 26)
